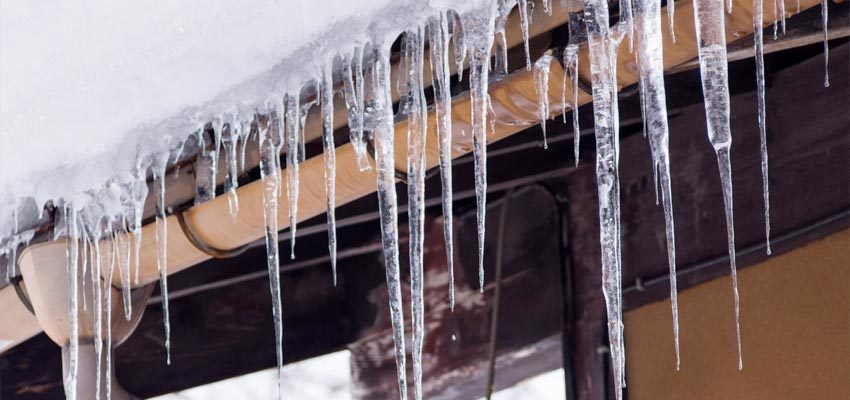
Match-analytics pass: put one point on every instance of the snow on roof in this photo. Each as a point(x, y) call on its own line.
point(86, 88)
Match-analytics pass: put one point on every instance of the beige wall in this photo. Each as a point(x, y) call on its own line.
point(795, 327)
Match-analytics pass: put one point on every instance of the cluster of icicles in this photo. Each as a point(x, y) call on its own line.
point(105, 233)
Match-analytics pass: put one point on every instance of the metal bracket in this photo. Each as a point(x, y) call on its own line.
point(203, 246)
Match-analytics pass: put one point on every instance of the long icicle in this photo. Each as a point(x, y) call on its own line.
point(387, 203)
point(758, 38)
point(523, 22)
point(603, 44)
point(571, 69)
point(671, 18)
point(711, 36)
point(97, 307)
point(541, 86)
point(416, 136)
point(91, 231)
point(73, 254)
point(124, 252)
point(824, 13)
point(479, 35)
point(653, 93)
point(162, 253)
point(439, 44)
point(107, 288)
point(353, 90)
point(230, 140)
point(329, 154)
point(270, 174)
point(293, 148)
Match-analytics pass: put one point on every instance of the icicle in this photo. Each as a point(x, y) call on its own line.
point(139, 191)
point(439, 44)
point(97, 304)
point(671, 18)
point(627, 19)
point(124, 250)
point(388, 209)
point(501, 53)
point(479, 30)
point(651, 68)
point(230, 139)
point(292, 160)
point(775, 19)
point(416, 135)
point(825, 18)
point(603, 44)
point(547, 7)
point(270, 175)
point(85, 260)
point(571, 68)
point(541, 85)
point(354, 104)
point(709, 20)
point(244, 135)
point(205, 166)
point(73, 255)
point(523, 23)
point(758, 38)
point(302, 142)
point(107, 288)
point(162, 251)
point(329, 154)
point(461, 47)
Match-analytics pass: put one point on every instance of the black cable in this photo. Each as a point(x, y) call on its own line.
point(497, 292)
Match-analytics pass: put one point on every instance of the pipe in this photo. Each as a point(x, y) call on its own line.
point(514, 102)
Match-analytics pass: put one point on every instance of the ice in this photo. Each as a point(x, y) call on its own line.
point(501, 39)
point(139, 191)
point(353, 90)
point(293, 146)
point(825, 18)
point(204, 172)
point(230, 142)
point(73, 255)
point(439, 44)
point(541, 86)
point(709, 20)
point(162, 251)
point(603, 43)
point(124, 252)
point(417, 113)
point(758, 38)
point(329, 154)
point(97, 306)
point(524, 21)
point(107, 287)
point(478, 28)
point(671, 18)
point(388, 208)
point(460, 46)
point(270, 143)
point(651, 73)
point(571, 69)
point(10, 249)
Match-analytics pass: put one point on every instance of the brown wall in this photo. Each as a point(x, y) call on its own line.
point(795, 327)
